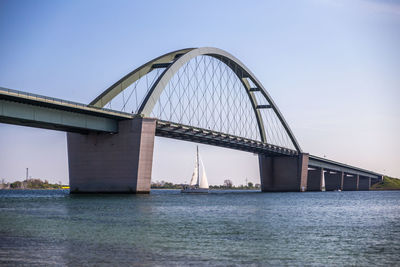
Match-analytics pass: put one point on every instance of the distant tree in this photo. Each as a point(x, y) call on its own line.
point(250, 184)
point(228, 183)
point(16, 184)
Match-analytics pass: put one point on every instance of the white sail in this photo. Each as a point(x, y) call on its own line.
point(194, 181)
point(203, 180)
point(198, 183)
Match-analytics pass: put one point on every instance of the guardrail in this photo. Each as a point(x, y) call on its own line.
point(61, 102)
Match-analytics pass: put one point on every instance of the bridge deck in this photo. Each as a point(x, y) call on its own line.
point(45, 101)
point(21, 108)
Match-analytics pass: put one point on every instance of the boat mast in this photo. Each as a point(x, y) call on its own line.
point(198, 170)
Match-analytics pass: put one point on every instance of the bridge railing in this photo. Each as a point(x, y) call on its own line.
point(57, 101)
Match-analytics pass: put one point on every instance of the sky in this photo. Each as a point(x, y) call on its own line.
point(332, 67)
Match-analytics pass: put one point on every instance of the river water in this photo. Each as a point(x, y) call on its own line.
point(51, 227)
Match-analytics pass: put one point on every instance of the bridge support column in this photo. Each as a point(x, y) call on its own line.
point(350, 183)
point(364, 183)
point(333, 181)
point(342, 180)
point(314, 179)
point(112, 163)
point(283, 174)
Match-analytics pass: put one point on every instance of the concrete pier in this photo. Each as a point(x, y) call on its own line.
point(333, 180)
point(283, 173)
point(364, 183)
point(314, 179)
point(112, 163)
point(350, 183)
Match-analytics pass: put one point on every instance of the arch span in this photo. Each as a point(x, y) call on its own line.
point(173, 62)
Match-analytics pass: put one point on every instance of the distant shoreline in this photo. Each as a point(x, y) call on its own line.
point(384, 189)
point(212, 189)
point(388, 184)
point(250, 189)
point(34, 189)
point(32, 184)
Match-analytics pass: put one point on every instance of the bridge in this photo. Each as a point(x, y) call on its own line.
point(202, 95)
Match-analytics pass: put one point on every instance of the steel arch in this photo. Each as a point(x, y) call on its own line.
point(174, 61)
point(133, 76)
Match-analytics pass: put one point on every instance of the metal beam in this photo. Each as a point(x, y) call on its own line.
point(161, 65)
point(263, 106)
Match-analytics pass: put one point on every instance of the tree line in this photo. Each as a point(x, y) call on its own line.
point(228, 184)
point(30, 184)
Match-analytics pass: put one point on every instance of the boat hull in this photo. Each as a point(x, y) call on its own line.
point(195, 190)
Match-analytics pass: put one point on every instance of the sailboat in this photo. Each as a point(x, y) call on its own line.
point(198, 184)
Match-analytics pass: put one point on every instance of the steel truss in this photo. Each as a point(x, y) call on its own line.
point(199, 135)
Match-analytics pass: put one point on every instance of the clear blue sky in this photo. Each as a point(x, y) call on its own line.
point(333, 68)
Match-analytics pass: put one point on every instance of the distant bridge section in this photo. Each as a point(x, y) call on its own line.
point(328, 175)
point(326, 164)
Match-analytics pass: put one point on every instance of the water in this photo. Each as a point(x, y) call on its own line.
point(222, 228)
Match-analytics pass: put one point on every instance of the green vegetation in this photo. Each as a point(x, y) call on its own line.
point(388, 183)
point(249, 186)
point(227, 185)
point(31, 184)
point(166, 185)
